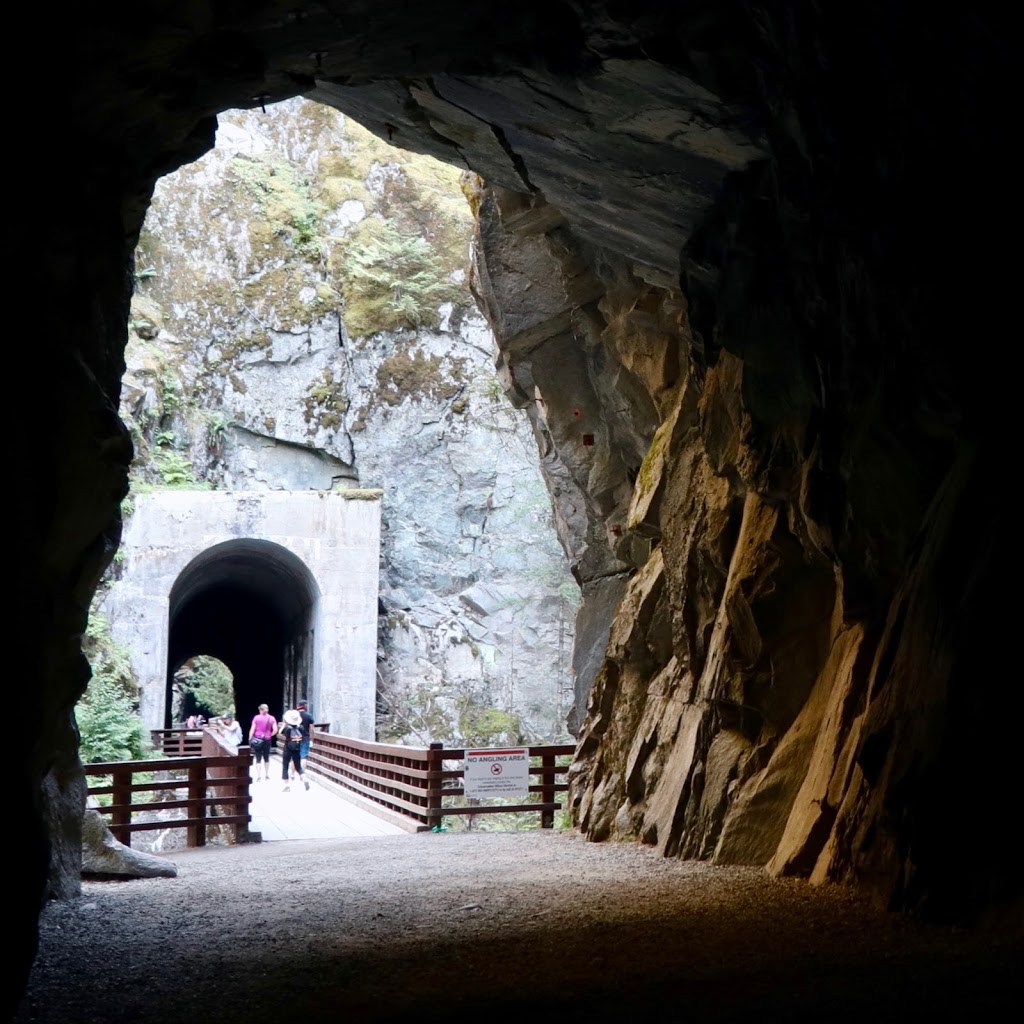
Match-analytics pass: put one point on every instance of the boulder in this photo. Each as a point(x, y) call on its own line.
point(103, 855)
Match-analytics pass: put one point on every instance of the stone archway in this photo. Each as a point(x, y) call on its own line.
point(280, 586)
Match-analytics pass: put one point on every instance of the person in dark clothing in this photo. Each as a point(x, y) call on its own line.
point(290, 732)
point(307, 728)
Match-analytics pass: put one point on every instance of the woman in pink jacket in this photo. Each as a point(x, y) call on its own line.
point(263, 727)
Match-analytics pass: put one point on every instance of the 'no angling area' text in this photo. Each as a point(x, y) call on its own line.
point(500, 771)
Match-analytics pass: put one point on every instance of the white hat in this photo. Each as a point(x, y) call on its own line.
point(292, 718)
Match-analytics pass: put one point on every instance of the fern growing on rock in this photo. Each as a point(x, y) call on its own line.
point(393, 280)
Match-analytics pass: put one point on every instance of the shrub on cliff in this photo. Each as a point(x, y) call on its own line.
point(107, 715)
point(393, 280)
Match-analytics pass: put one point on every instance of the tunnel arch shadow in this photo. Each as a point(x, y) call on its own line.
point(254, 605)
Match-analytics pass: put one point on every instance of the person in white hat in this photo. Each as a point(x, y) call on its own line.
point(290, 732)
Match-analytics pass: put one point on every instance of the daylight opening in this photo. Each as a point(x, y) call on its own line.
point(303, 324)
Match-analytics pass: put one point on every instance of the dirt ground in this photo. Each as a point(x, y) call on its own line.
point(538, 925)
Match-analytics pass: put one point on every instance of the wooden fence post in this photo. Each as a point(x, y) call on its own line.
point(547, 794)
point(434, 766)
point(241, 805)
point(121, 798)
point(196, 807)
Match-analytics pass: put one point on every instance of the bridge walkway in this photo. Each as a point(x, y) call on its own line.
point(316, 813)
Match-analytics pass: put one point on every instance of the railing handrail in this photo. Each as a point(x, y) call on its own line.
point(414, 783)
point(207, 776)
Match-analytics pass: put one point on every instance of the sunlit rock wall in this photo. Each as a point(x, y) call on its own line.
point(302, 320)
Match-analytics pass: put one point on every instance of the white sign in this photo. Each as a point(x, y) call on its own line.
point(501, 771)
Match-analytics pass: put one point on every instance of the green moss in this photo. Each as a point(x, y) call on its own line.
point(363, 494)
point(646, 478)
point(410, 372)
point(394, 280)
point(259, 340)
point(326, 401)
point(486, 724)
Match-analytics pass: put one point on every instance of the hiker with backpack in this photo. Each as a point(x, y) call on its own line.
point(307, 728)
point(290, 732)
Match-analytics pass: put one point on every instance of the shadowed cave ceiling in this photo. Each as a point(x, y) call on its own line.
point(742, 262)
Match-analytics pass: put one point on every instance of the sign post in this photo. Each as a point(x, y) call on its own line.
point(499, 771)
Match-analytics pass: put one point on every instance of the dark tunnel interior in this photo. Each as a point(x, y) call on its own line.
point(253, 605)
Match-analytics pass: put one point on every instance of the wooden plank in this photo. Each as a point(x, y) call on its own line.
point(374, 766)
point(159, 764)
point(167, 805)
point(379, 795)
point(511, 809)
point(151, 826)
point(388, 750)
point(556, 787)
point(369, 777)
point(411, 810)
point(151, 787)
point(535, 751)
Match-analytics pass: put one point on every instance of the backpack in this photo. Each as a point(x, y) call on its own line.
point(293, 737)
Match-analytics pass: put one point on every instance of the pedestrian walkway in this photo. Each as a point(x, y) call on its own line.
point(316, 813)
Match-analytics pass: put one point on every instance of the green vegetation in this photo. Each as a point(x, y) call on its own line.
point(287, 211)
point(175, 469)
point(326, 401)
point(395, 280)
point(208, 685)
point(486, 726)
point(409, 371)
point(107, 715)
point(171, 394)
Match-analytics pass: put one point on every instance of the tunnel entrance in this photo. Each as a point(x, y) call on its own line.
point(330, 340)
point(252, 604)
point(280, 586)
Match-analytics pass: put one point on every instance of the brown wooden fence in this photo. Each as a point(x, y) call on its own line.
point(420, 784)
point(177, 742)
point(211, 788)
point(423, 783)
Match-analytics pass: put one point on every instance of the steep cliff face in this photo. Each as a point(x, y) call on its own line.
point(302, 319)
point(792, 215)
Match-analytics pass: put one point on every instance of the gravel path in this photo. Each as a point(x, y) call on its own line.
point(507, 926)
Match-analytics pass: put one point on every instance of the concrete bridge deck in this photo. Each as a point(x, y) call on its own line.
point(316, 813)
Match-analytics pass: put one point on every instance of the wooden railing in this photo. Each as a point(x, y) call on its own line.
point(177, 742)
point(421, 783)
point(214, 788)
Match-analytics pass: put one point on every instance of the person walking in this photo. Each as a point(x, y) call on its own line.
point(290, 732)
point(261, 732)
point(307, 729)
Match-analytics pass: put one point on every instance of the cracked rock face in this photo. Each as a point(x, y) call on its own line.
point(261, 358)
point(774, 236)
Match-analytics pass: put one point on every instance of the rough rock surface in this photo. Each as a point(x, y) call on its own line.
point(823, 615)
point(503, 926)
point(103, 855)
point(258, 359)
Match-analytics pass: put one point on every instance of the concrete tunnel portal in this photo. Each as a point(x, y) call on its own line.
point(281, 586)
point(253, 605)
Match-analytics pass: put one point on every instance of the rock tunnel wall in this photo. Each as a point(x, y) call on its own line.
point(781, 296)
